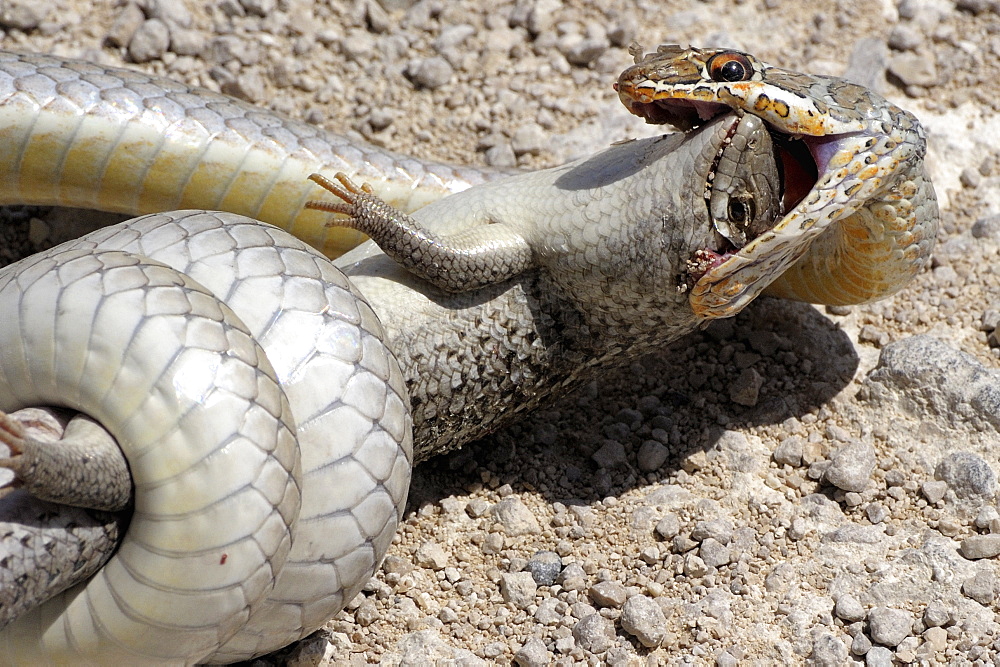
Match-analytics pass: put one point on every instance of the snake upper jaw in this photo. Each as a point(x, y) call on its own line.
point(685, 115)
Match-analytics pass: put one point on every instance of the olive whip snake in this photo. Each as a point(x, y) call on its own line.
point(513, 292)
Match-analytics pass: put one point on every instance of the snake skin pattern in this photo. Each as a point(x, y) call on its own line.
point(159, 145)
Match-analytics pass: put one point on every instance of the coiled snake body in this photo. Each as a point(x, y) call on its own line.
point(208, 344)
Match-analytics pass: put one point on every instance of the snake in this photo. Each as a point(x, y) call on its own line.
point(868, 220)
point(269, 403)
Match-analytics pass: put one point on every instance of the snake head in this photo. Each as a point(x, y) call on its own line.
point(847, 154)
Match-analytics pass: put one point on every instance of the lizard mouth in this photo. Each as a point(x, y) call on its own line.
point(740, 220)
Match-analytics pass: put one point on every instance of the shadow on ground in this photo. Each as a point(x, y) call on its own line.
point(802, 358)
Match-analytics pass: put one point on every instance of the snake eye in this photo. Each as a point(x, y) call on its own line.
point(730, 67)
point(741, 210)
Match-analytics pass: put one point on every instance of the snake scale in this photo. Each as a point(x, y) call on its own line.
point(267, 429)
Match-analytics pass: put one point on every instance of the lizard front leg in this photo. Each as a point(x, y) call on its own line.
point(473, 258)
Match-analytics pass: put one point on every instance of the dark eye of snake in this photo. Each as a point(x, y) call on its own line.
point(741, 210)
point(730, 67)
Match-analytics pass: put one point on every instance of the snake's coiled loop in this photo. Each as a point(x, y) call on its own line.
point(261, 365)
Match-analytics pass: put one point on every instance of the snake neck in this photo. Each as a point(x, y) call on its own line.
point(870, 254)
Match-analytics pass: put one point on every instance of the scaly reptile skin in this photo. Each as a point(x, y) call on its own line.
point(866, 226)
point(73, 133)
point(610, 239)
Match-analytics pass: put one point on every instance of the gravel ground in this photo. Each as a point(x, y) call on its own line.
point(793, 484)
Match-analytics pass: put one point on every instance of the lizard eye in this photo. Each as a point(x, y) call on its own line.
point(742, 210)
point(730, 67)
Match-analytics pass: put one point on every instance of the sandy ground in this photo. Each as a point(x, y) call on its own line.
point(750, 556)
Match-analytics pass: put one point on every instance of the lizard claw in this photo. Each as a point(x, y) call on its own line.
point(344, 188)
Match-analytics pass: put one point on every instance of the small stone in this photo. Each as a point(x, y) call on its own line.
point(878, 656)
point(168, 11)
point(694, 566)
point(545, 567)
point(452, 36)
point(985, 228)
point(22, 14)
point(981, 546)
point(651, 456)
point(936, 638)
point(683, 543)
point(432, 555)
point(888, 626)
point(968, 475)
point(500, 156)
point(594, 633)
point(532, 654)
point(581, 51)
point(571, 571)
point(529, 139)
point(357, 45)
point(247, 86)
point(366, 613)
point(610, 455)
point(608, 594)
point(936, 614)
point(974, 6)
point(904, 37)
point(949, 527)
point(876, 513)
point(780, 578)
point(668, 526)
point(643, 618)
point(126, 23)
point(312, 652)
point(718, 529)
point(798, 529)
point(745, 390)
point(518, 589)
point(726, 659)
point(873, 335)
point(789, 452)
point(934, 491)
point(623, 29)
point(914, 69)
point(650, 555)
point(550, 611)
point(828, 651)
point(430, 73)
point(536, 17)
point(906, 652)
point(849, 609)
point(149, 42)
point(986, 516)
point(259, 7)
point(494, 543)
point(426, 647)
point(851, 467)
point(861, 644)
point(515, 517)
point(714, 554)
point(186, 42)
point(396, 565)
point(970, 178)
point(982, 588)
